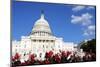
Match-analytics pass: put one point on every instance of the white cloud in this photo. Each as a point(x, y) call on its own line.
point(90, 7)
point(78, 8)
point(91, 27)
point(90, 30)
point(84, 19)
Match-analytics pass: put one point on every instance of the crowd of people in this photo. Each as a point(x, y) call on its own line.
point(51, 58)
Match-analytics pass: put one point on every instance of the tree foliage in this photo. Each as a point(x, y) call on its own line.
point(89, 46)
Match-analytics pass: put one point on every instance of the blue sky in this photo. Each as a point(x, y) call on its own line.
point(72, 22)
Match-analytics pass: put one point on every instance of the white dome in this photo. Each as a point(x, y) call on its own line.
point(41, 25)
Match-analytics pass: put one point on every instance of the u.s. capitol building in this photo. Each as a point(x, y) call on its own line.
point(40, 41)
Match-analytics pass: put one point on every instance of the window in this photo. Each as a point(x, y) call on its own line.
point(39, 40)
point(34, 40)
point(24, 54)
point(43, 46)
point(40, 54)
point(43, 40)
point(51, 40)
point(47, 40)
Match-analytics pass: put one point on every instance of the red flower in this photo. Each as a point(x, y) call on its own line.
point(64, 54)
point(68, 53)
point(13, 59)
point(49, 54)
point(23, 64)
point(27, 62)
point(17, 56)
point(40, 62)
point(57, 58)
point(31, 57)
point(47, 61)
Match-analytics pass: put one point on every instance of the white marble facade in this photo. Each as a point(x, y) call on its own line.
point(40, 41)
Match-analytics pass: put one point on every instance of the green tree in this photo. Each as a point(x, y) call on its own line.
point(89, 46)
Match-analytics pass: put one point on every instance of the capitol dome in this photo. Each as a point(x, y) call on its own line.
point(41, 27)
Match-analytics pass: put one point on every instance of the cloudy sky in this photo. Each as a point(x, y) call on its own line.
point(74, 23)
